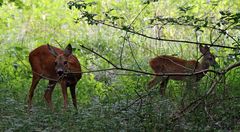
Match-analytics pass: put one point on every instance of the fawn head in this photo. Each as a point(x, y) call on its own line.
point(61, 60)
point(208, 57)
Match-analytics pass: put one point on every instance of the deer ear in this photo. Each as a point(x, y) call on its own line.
point(68, 50)
point(52, 51)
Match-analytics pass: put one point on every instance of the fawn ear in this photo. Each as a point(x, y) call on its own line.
point(68, 50)
point(52, 51)
point(204, 49)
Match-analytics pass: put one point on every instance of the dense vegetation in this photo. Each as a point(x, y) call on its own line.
point(114, 41)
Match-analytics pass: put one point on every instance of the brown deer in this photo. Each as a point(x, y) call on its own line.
point(173, 65)
point(57, 66)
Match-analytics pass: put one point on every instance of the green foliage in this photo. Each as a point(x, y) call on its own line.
point(128, 33)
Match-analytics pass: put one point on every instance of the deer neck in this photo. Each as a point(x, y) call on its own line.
point(203, 64)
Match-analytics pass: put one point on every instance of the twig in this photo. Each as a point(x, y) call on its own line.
point(167, 40)
point(134, 58)
point(99, 56)
point(235, 65)
point(126, 37)
point(180, 114)
point(131, 104)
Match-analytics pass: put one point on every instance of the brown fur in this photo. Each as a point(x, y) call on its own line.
point(43, 65)
point(169, 64)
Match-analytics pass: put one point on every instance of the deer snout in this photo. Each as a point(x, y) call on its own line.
point(60, 72)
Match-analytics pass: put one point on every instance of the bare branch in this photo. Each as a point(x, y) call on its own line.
point(99, 56)
point(167, 40)
point(231, 67)
point(143, 72)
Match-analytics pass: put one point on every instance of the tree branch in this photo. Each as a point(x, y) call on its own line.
point(167, 40)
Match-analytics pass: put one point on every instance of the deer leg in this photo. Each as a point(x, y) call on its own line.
point(195, 88)
point(154, 81)
point(183, 98)
point(187, 91)
point(35, 81)
point(48, 93)
point(64, 92)
point(73, 94)
point(163, 85)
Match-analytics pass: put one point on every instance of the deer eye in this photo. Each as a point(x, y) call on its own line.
point(55, 63)
point(65, 62)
